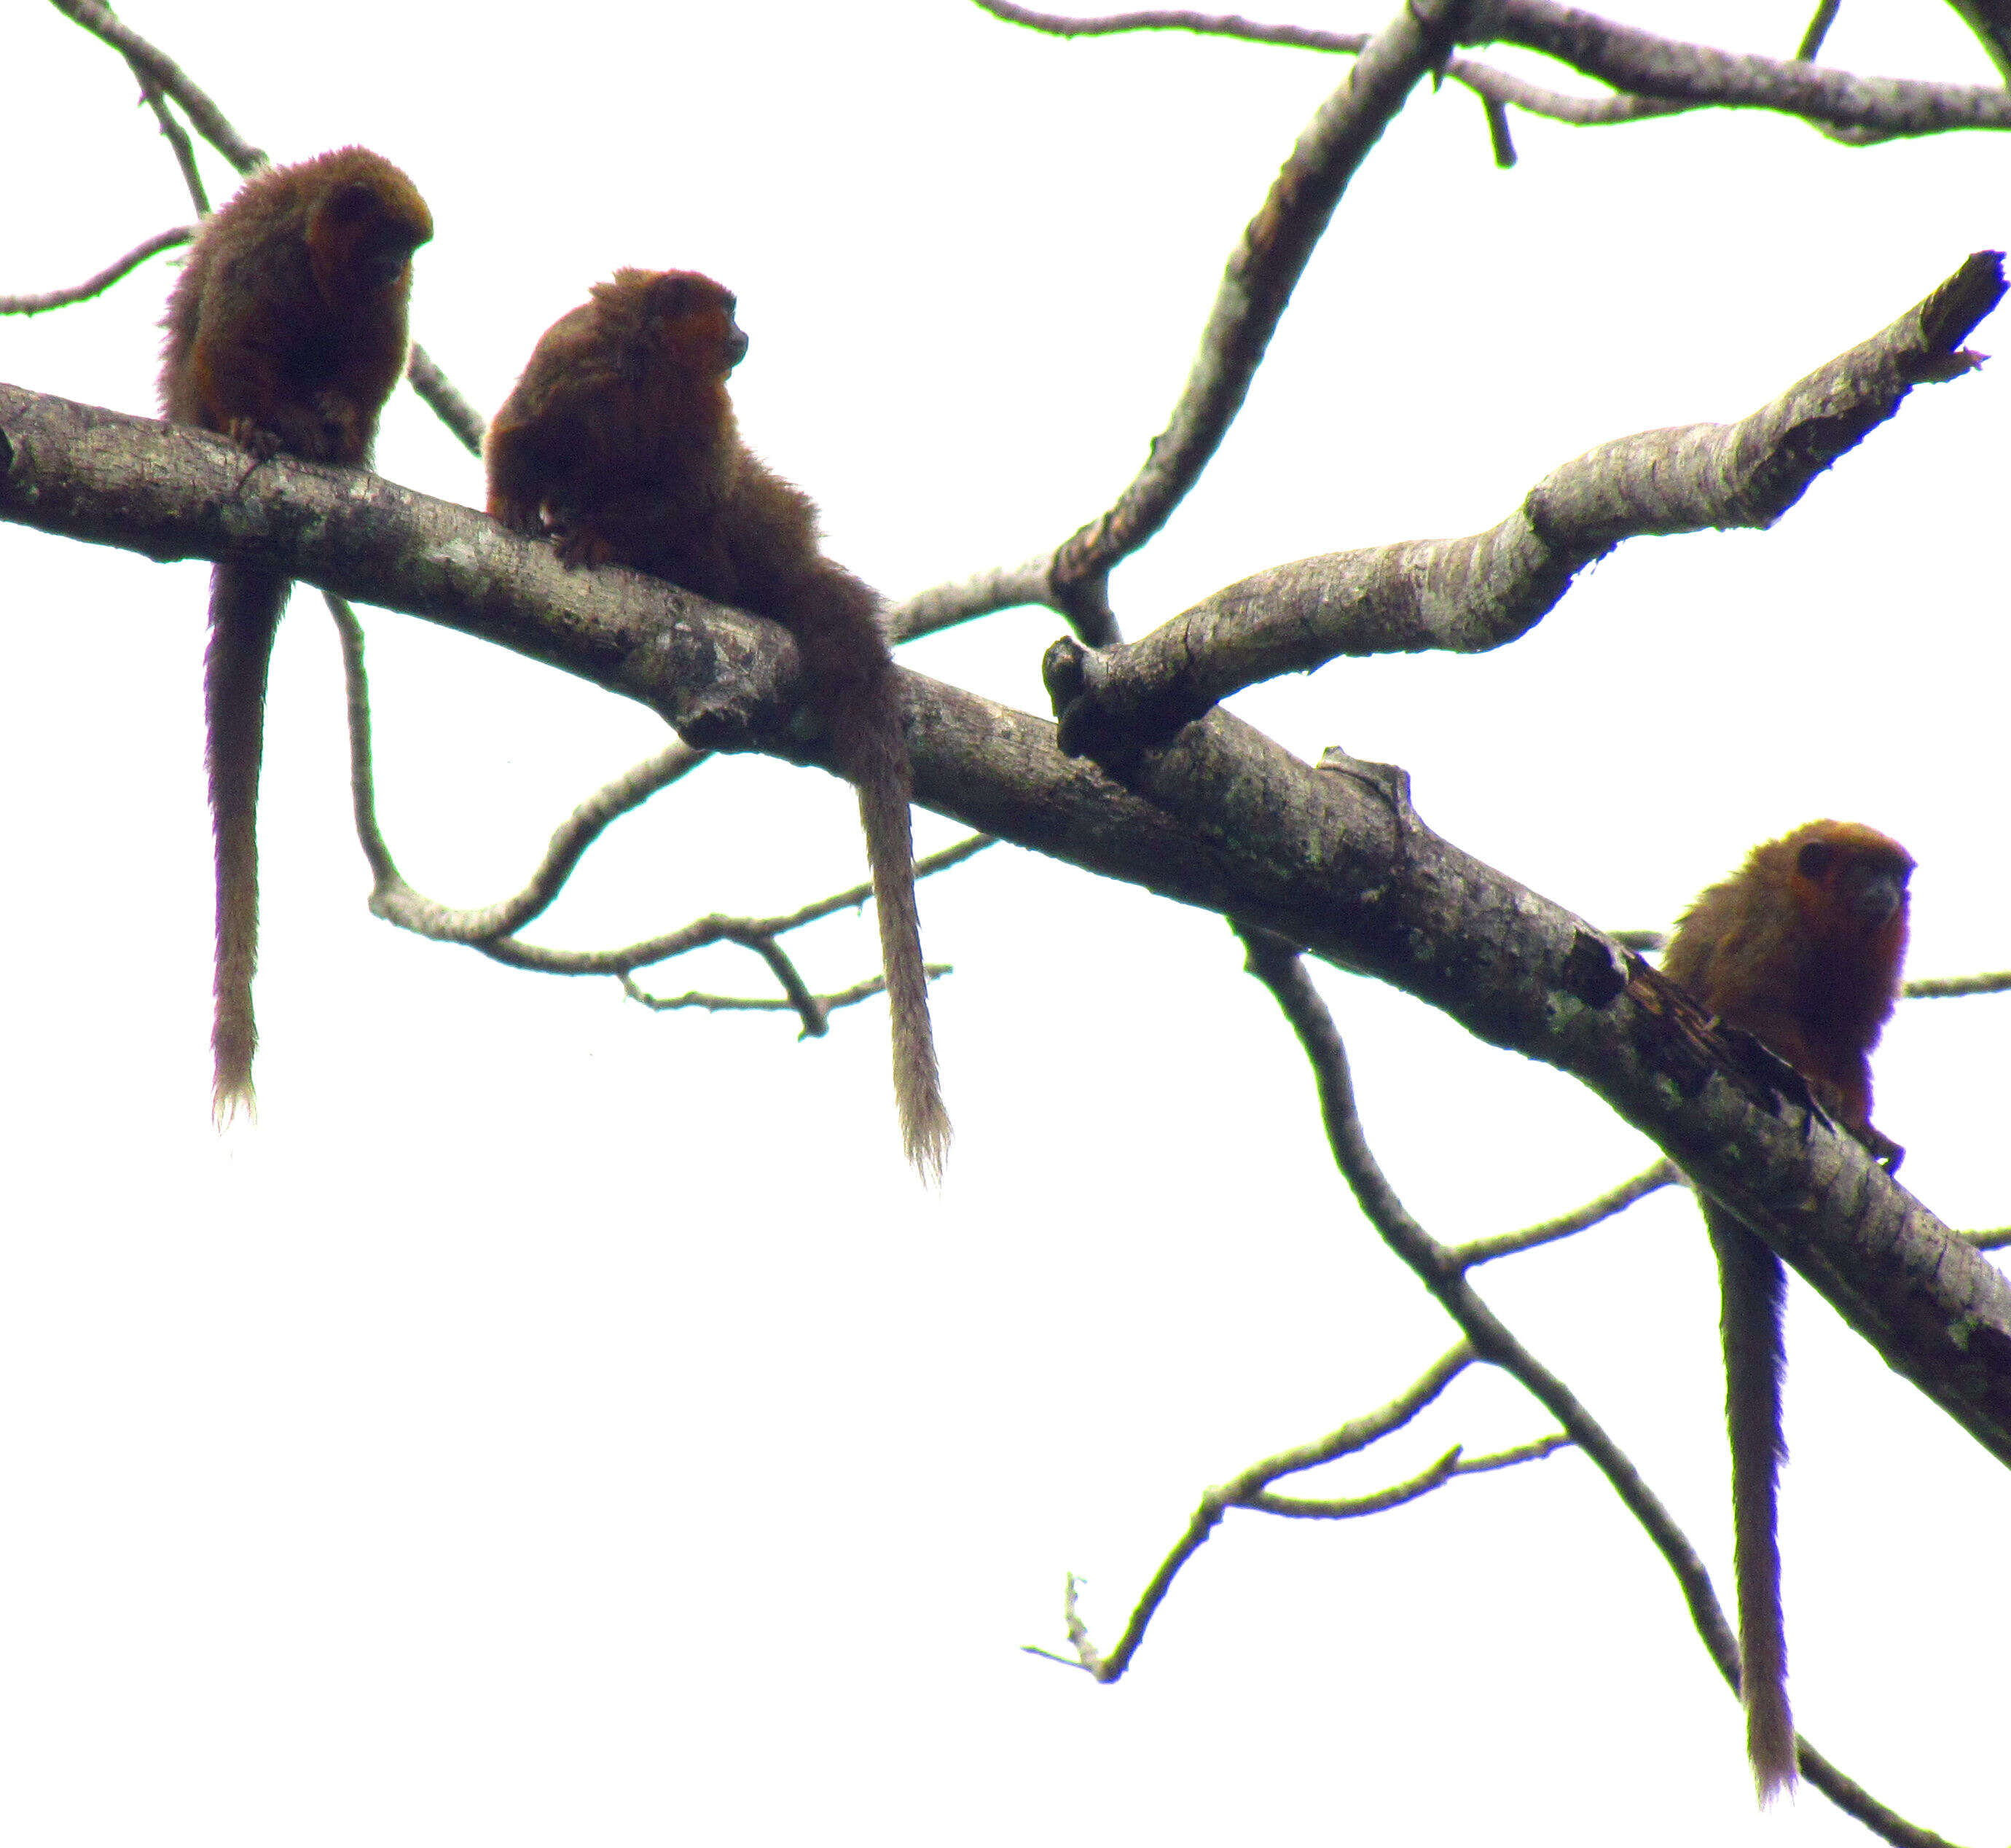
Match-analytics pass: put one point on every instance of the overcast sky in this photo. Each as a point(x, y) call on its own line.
point(558, 1422)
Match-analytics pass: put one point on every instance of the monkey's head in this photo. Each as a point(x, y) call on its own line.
point(363, 226)
point(1850, 884)
point(683, 322)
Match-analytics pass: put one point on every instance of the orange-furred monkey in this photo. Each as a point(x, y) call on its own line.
point(620, 440)
point(286, 333)
point(1801, 948)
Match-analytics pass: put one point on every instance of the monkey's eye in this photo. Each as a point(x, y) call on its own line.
point(1816, 858)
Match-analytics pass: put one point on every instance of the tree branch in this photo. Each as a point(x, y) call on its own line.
point(1649, 1180)
point(1467, 596)
point(1336, 859)
point(1648, 65)
point(150, 63)
point(98, 284)
point(1263, 270)
point(1282, 971)
point(1655, 75)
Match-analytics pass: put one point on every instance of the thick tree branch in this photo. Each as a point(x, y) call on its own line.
point(1470, 595)
point(1223, 817)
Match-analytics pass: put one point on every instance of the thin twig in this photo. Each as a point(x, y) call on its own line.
point(1654, 76)
point(98, 284)
point(1819, 26)
point(751, 933)
point(396, 901)
point(448, 405)
point(149, 61)
point(1650, 1180)
point(1281, 970)
point(825, 1004)
point(1357, 1434)
point(1940, 988)
point(172, 133)
point(1262, 272)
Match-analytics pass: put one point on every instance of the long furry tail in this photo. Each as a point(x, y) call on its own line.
point(244, 606)
point(836, 621)
point(883, 814)
point(1754, 1285)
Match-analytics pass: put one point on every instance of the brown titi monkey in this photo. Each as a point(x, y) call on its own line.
point(1801, 948)
point(620, 440)
point(286, 332)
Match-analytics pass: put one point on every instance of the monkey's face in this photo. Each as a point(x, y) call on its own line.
point(1856, 878)
point(361, 235)
point(694, 316)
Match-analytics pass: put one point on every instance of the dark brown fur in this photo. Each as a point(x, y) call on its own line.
point(620, 439)
point(1802, 948)
point(286, 333)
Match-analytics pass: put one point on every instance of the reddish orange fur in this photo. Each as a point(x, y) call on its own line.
point(285, 333)
point(1801, 948)
point(620, 440)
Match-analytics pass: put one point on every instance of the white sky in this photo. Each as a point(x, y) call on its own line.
point(557, 1423)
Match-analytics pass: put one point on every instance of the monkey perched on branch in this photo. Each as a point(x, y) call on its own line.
point(286, 333)
point(620, 440)
point(1801, 948)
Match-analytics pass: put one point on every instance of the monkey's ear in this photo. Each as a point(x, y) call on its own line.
point(1816, 858)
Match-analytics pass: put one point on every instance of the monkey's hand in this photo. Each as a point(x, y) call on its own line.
point(256, 441)
point(346, 425)
point(1886, 1152)
point(578, 543)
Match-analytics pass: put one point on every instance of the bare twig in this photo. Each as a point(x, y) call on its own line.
point(1499, 88)
point(822, 1005)
point(1993, 1240)
point(1654, 76)
point(1647, 64)
point(1940, 987)
point(490, 928)
point(1467, 596)
point(448, 405)
point(98, 284)
point(392, 899)
point(1819, 26)
point(1283, 971)
point(752, 933)
point(1263, 270)
point(1650, 1180)
point(151, 62)
point(1357, 1434)
point(173, 134)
